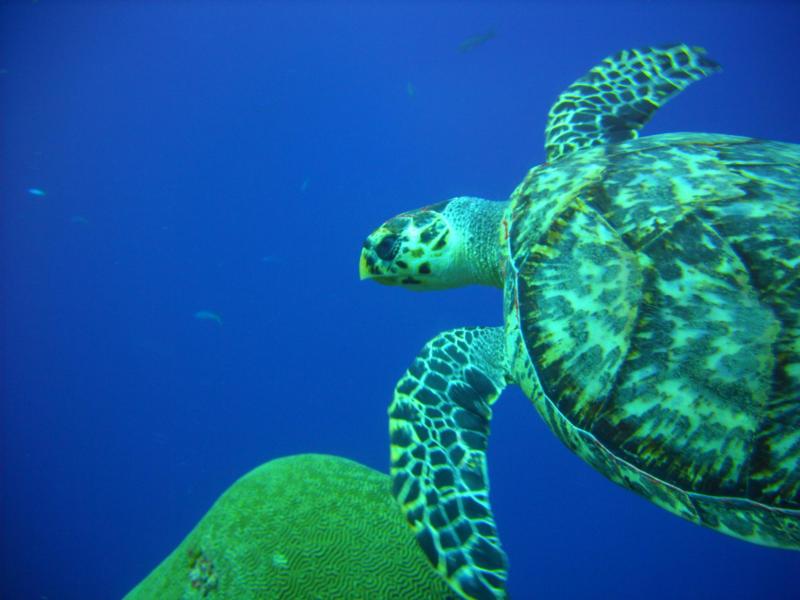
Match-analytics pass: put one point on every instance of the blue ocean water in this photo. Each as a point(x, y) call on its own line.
point(184, 191)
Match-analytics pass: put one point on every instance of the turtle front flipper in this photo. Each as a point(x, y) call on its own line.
point(439, 426)
point(614, 100)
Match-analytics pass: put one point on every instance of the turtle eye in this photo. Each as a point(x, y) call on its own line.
point(387, 248)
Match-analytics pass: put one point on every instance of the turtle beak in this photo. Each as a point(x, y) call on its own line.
point(369, 267)
point(377, 256)
point(363, 266)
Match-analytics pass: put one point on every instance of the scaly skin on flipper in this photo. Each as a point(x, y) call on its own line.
point(614, 100)
point(439, 426)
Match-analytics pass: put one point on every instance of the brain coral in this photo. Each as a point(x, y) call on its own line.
point(308, 526)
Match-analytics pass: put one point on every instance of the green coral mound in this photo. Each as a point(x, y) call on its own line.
point(307, 526)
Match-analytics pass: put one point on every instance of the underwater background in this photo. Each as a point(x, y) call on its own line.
point(184, 190)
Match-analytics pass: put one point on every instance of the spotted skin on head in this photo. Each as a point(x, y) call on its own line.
point(408, 249)
point(439, 429)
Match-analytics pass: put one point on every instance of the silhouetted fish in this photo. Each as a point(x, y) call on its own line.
point(207, 315)
point(475, 40)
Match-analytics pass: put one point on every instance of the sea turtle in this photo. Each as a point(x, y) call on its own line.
point(652, 316)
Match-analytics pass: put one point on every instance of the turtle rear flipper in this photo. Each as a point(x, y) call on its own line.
point(439, 426)
point(615, 99)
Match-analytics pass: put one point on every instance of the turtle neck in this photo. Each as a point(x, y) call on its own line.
point(478, 222)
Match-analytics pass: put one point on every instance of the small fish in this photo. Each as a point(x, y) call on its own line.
point(474, 41)
point(36, 192)
point(304, 185)
point(208, 315)
point(410, 90)
point(79, 220)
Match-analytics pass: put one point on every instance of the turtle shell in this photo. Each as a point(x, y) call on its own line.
point(652, 310)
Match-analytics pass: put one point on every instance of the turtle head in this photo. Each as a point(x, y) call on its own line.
point(432, 248)
point(414, 249)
